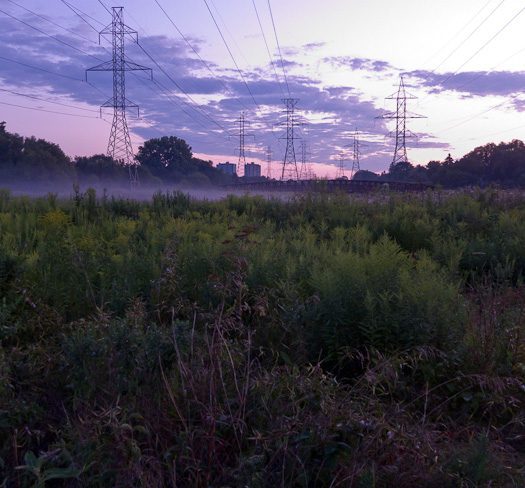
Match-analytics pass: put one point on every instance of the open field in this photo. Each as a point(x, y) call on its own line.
point(307, 341)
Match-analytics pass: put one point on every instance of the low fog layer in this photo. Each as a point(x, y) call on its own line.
point(143, 192)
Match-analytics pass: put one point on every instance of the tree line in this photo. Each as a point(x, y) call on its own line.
point(503, 164)
point(169, 160)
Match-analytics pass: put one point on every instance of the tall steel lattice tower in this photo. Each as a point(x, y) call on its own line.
point(400, 115)
point(290, 171)
point(355, 160)
point(119, 146)
point(242, 137)
point(304, 154)
point(341, 166)
point(269, 162)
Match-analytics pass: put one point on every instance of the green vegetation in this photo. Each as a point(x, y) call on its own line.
point(41, 164)
point(169, 161)
point(503, 164)
point(317, 342)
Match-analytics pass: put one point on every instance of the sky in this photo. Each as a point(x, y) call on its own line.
point(215, 61)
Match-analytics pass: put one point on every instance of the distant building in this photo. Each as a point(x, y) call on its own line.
point(227, 168)
point(252, 170)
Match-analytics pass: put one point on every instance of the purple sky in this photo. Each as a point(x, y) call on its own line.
point(465, 64)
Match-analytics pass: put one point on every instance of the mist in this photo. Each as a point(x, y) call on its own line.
point(145, 192)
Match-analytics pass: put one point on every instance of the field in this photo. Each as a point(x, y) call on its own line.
point(319, 341)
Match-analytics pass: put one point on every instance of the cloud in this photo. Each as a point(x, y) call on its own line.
point(359, 63)
point(313, 45)
point(472, 83)
point(207, 113)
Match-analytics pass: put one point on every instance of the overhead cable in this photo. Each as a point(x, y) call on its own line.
point(49, 35)
point(267, 48)
point(231, 55)
point(484, 45)
point(199, 56)
point(279, 48)
point(47, 101)
point(48, 111)
point(50, 21)
point(75, 10)
point(181, 89)
point(469, 36)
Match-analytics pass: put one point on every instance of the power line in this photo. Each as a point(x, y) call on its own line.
point(400, 116)
point(182, 90)
point(228, 31)
point(474, 116)
point(484, 45)
point(489, 71)
point(199, 111)
point(75, 10)
point(158, 83)
point(56, 39)
point(53, 73)
point(62, 27)
point(202, 111)
point(47, 101)
point(49, 35)
point(198, 55)
point(238, 69)
point(209, 116)
point(231, 55)
point(119, 146)
point(50, 21)
point(279, 48)
point(267, 48)
point(290, 170)
point(476, 53)
point(166, 93)
point(494, 133)
point(456, 35)
point(41, 69)
point(206, 115)
point(107, 9)
point(242, 136)
point(48, 111)
point(469, 36)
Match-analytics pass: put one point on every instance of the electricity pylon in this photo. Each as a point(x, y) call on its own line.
point(341, 166)
point(119, 146)
point(355, 160)
point(304, 154)
point(290, 171)
point(400, 115)
point(269, 162)
point(242, 135)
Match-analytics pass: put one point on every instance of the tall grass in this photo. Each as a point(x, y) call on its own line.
point(261, 342)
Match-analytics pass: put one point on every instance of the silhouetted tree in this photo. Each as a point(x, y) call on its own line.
point(506, 165)
point(171, 159)
point(11, 146)
point(32, 160)
point(100, 168)
point(400, 171)
point(365, 175)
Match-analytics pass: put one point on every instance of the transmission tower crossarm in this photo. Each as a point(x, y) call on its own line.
point(126, 66)
point(242, 136)
point(400, 116)
point(119, 145)
point(290, 170)
point(356, 145)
